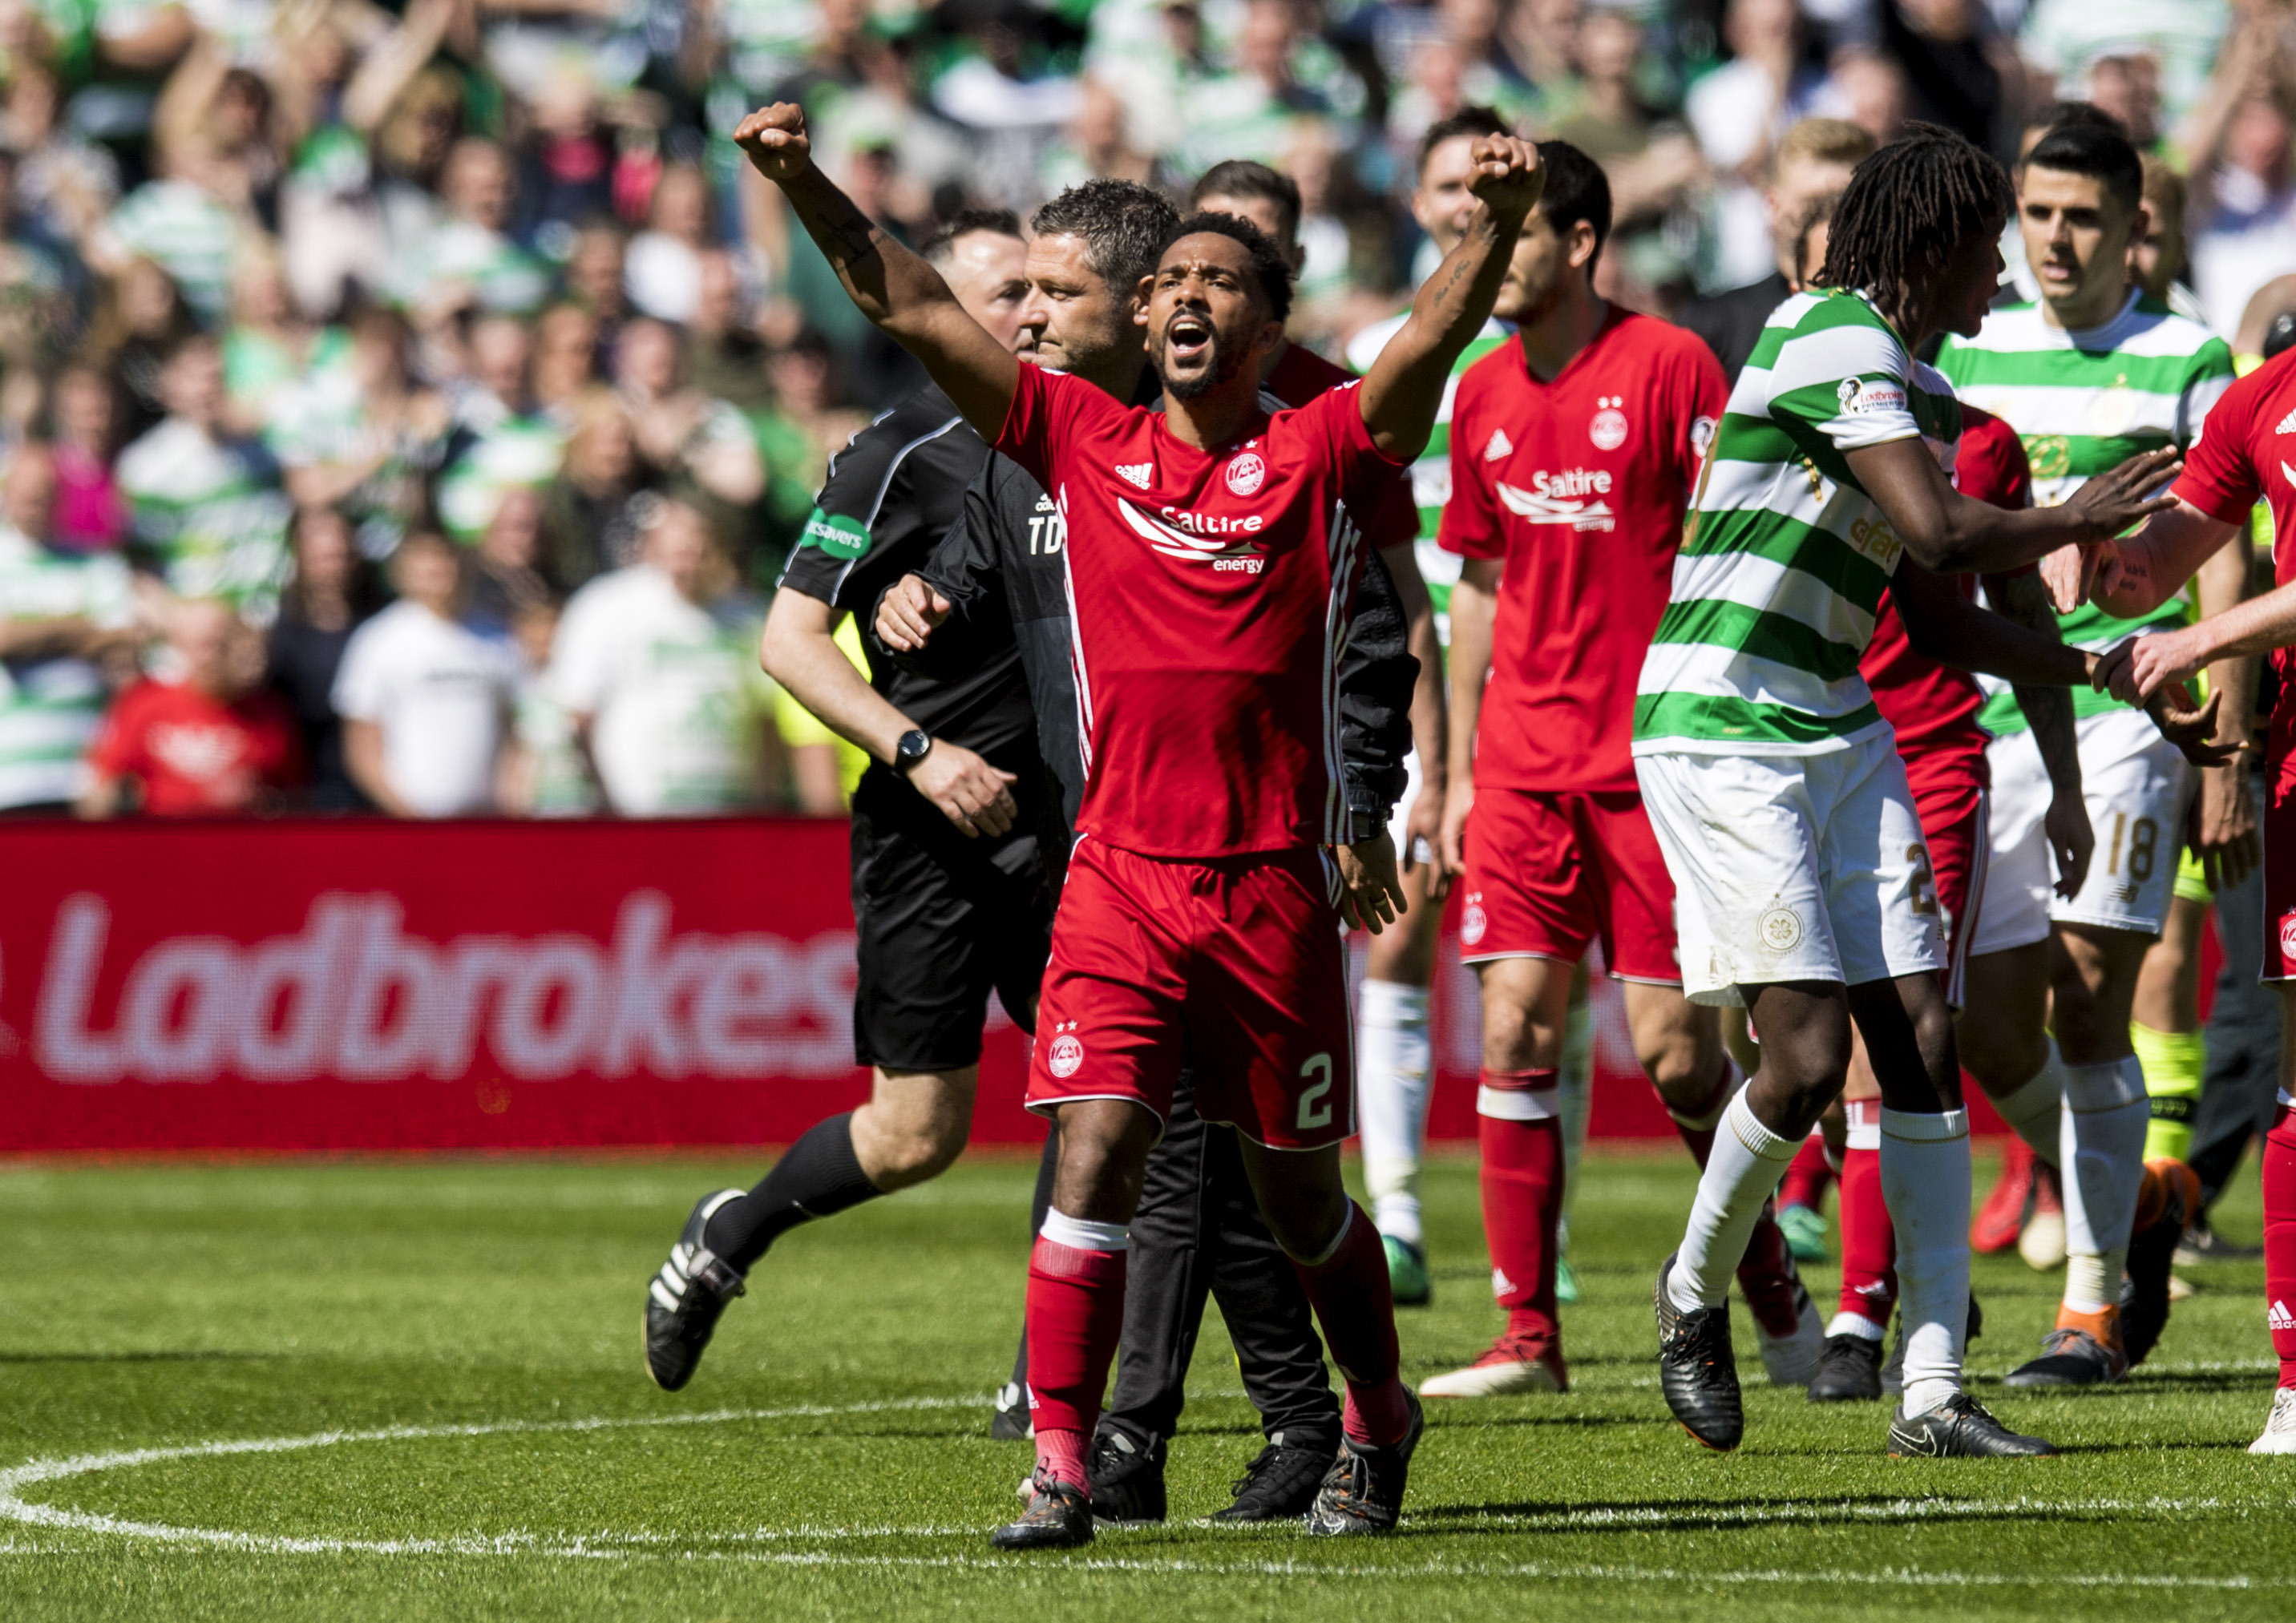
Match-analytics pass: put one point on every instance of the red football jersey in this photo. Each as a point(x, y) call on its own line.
point(1933, 708)
point(1580, 484)
point(1209, 594)
point(1302, 375)
point(195, 755)
point(2245, 453)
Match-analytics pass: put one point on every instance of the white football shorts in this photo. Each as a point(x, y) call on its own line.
point(1794, 867)
point(2137, 787)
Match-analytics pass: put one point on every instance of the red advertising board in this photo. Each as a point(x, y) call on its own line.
point(367, 985)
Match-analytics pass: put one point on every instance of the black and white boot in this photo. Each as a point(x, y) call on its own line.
point(685, 1299)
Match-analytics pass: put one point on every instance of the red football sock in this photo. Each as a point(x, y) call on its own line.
point(1522, 1205)
point(1869, 1242)
point(2280, 1240)
point(1806, 1176)
point(1356, 1307)
point(1075, 1317)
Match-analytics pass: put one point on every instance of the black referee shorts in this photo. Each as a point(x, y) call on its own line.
point(942, 921)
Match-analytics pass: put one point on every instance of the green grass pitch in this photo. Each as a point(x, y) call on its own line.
point(412, 1390)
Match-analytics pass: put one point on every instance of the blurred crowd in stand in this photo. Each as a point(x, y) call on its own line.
point(409, 409)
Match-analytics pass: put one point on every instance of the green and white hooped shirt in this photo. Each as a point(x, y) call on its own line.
point(211, 514)
point(1785, 557)
point(2083, 403)
point(1431, 475)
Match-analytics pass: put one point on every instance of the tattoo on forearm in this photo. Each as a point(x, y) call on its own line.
point(845, 234)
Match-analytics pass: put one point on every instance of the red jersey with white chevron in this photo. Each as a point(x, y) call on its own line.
point(1210, 594)
point(1580, 484)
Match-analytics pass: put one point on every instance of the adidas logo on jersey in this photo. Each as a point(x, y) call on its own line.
point(2287, 424)
point(1135, 473)
point(1500, 445)
point(2280, 1319)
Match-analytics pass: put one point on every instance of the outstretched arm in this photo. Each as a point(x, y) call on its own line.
point(891, 286)
point(1949, 532)
point(2138, 573)
point(1404, 389)
point(1945, 626)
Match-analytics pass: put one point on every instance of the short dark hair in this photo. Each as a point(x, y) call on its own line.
point(2059, 115)
point(1268, 265)
point(1471, 120)
point(1241, 177)
point(1908, 206)
point(2096, 152)
point(1122, 224)
point(1576, 190)
point(940, 247)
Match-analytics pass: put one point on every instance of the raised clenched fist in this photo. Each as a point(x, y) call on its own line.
point(775, 140)
point(1508, 176)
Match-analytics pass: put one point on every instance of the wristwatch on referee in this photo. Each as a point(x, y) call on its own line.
point(1363, 824)
point(912, 747)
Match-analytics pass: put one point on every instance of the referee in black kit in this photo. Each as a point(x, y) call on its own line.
point(949, 892)
point(998, 582)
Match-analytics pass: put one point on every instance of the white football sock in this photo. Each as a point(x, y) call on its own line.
point(1394, 1072)
point(1743, 1172)
point(1926, 1185)
point(2034, 1107)
point(2106, 1116)
point(1574, 1090)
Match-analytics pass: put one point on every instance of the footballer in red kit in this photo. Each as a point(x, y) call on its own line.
point(1212, 555)
point(1933, 708)
point(2247, 455)
point(1575, 445)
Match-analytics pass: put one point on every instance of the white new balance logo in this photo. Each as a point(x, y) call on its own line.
point(2280, 1319)
point(1137, 474)
point(1500, 445)
point(2287, 424)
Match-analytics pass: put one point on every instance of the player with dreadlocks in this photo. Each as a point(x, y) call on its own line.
point(1774, 785)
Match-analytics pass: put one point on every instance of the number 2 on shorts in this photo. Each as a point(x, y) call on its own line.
point(1315, 1102)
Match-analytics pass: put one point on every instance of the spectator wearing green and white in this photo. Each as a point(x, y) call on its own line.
point(62, 616)
point(269, 346)
point(182, 227)
point(362, 436)
point(1254, 109)
point(502, 438)
point(206, 510)
point(657, 664)
point(545, 775)
point(466, 260)
point(682, 433)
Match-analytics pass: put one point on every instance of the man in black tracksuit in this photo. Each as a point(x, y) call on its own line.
point(950, 898)
point(997, 583)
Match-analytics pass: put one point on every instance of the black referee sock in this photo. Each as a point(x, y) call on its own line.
point(819, 1176)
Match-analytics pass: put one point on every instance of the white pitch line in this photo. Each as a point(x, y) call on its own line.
point(651, 1546)
point(15, 1507)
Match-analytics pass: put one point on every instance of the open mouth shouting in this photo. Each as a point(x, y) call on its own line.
point(1188, 340)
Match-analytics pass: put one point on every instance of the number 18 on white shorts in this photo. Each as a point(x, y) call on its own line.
point(1794, 867)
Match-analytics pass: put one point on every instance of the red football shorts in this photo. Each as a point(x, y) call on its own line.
point(1235, 964)
point(1956, 823)
point(1549, 873)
